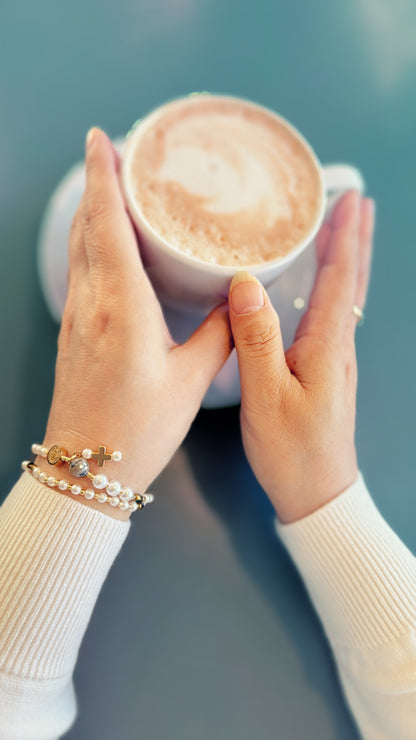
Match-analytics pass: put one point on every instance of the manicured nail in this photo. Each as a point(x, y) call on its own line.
point(246, 293)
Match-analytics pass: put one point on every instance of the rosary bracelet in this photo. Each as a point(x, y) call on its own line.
point(115, 495)
point(78, 464)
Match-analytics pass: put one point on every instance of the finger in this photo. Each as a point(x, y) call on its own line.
point(322, 240)
point(257, 338)
point(206, 351)
point(117, 161)
point(102, 164)
point(333, 295)
point(77, 258)
point(110, 240)
point(365, 250)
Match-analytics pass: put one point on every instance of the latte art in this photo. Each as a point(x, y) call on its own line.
point(225, 182)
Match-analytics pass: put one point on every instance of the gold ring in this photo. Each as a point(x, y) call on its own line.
point(359, 314)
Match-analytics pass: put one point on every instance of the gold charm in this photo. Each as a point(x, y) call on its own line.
point(55, 454)
point(101, 456)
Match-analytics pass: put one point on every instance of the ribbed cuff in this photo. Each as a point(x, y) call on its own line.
point(33, 709)
point(55, 554)
point(359, 574)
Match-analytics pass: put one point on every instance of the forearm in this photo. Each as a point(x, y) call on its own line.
point(362, 581)
point(54, 557)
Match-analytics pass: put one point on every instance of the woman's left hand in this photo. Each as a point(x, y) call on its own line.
point(120, 378)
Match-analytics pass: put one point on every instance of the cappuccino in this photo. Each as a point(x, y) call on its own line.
point(225, 181)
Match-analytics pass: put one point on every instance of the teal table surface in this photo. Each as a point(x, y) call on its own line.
point(203, 628)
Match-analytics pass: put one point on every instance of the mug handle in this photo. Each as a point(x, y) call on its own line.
point(338, 178)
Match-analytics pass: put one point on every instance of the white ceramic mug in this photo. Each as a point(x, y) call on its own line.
point(187, 283)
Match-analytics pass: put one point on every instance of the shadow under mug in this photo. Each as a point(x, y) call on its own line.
point(188, 284)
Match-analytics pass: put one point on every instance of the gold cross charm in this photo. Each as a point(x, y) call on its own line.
point(101, 455)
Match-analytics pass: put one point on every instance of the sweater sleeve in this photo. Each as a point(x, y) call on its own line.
point(362, 581)
point(55, 554)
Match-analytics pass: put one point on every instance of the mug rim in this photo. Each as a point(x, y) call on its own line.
point(137, 131)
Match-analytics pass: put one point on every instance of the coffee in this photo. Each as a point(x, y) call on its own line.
point(225, 181)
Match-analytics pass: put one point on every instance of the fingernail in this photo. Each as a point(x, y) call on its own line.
point(90, 137)
point(370, 205)
point(246, 293)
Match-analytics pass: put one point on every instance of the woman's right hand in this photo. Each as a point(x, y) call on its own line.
point(298, 408)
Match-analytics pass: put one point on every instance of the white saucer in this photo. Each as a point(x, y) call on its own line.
point(289, 293)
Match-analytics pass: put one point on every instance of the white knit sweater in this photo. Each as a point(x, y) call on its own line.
point(55, 555)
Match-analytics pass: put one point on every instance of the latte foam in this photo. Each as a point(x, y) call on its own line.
point(225, 181)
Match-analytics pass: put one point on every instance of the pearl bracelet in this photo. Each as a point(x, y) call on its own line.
point(78, 464)
point(115, 495)
point(123, 501)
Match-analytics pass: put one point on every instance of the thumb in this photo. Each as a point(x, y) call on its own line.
point(207, 349)
point(256, 330)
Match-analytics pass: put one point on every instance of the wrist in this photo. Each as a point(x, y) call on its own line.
point(84, 485)
point(306, 500)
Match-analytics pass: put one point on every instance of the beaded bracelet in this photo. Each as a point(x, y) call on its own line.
point(116, 494)
point(78, 464)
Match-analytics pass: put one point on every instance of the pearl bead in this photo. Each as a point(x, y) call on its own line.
point(89, 493)
point(100, 481)
point(126, 494)
point(114, 488)
point(114, 501)
point(34, 448)
point(76, 489)
point(24, 464)
point(116, 456)
point(86, 454)
point(123, 505)
point(51, 481)
point(35, 472)
point(102, 498)
point(148, 498)
point(43, 451)
point(133, 506)
point(63, 485)
point(79, 467)
point(42, 477)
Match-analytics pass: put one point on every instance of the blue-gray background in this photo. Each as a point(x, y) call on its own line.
point(203, 629)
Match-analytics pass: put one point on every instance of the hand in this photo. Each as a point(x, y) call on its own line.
point(298, 409)
point(120, 378)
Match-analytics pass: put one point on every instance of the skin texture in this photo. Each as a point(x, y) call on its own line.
point(298, 407)
point(120, 379)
